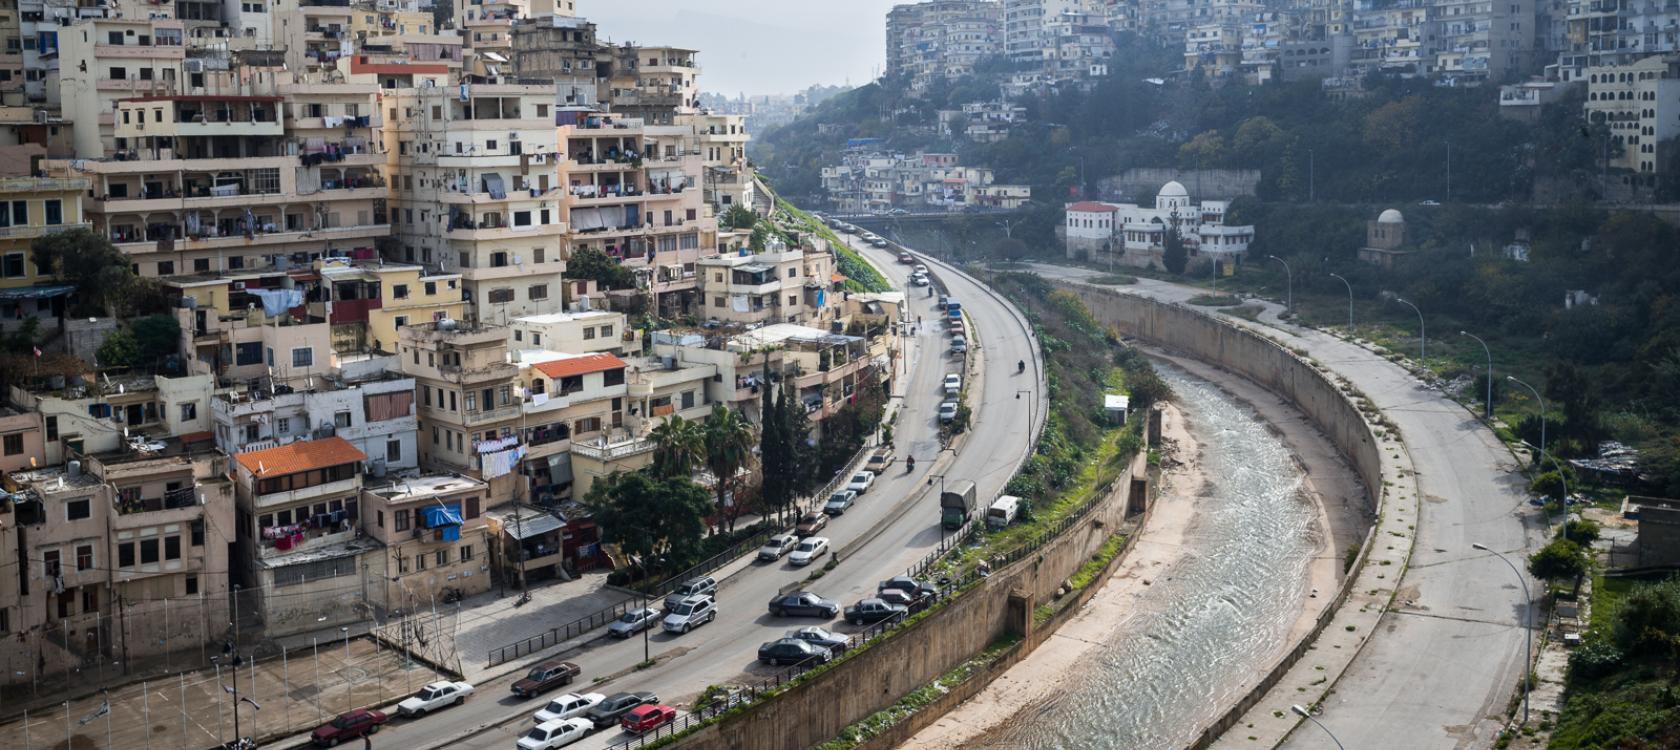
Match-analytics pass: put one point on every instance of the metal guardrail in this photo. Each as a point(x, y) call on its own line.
point(560, 634)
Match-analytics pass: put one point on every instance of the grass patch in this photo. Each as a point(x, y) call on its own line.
point(1215, 300)
point(857, 271)
point(1249, 313)
point(1607, 594)
point(1098, 561)
point(915, 700)
point(1115, 279)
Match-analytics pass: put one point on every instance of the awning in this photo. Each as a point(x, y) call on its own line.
point(493, 186)
point(527, 527)
point(560, 468)
point(495, 56)
point(35, 292)
point(440, 515)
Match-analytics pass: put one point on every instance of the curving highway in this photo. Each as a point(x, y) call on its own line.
point(892, 526)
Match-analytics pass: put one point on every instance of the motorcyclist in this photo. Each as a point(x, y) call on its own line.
point(1020, 367)
point(909, 464)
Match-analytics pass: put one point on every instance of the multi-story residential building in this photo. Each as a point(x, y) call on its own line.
point(366, 302)
point(31, 207)
point(827, 368)
point(1482, 40)
point(568, 400)
point(869, 181)
point(302, 555)
point(780, 285)
point(1640, 104)
point(108, 60)
point(982, 122)
point(1214, 48)
point(1612, 32)
point(562, 49)
point(578, 332)
point(659, 389)
point(654, 84)
point(1026, 27)
point(475, 193)
point(254, 329)
point(941, 39)
point(1392, 38)
point(435, 536)
point(374, 412)
point(1136, 236)
point(721, 142)
point(22, 439)
point(132, 410)
point(487, 27)
point(468, 404)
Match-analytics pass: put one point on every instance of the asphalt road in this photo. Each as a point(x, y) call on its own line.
point(1449, 653)
point(903, 505)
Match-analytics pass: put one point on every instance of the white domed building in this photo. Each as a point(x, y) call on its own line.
point(1136, 235)
point(1384, 239)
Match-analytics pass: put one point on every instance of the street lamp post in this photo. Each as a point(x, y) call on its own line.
point(1489, 414)
point(1302, 712)
point(941, 478)
point(1030, 403)
point(1290, 304)
point(1528, 632)
point(1423, 334)
point(1350, 301)
point(1542, 400)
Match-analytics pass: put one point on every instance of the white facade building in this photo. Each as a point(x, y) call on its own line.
point(1136, 235)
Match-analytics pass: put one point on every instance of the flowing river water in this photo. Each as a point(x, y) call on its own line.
point(1222, 613)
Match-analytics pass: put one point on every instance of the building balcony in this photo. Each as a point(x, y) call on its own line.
point(228, 128)
point(33, 231)
point(256, 239)
point(489, 416)
point(133, 51)
point(312, 540)
point(615, 451)
point(481, 232)
point(292, 497)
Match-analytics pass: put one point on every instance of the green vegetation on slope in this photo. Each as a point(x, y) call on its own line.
point(1621, 689)
point(860, 276)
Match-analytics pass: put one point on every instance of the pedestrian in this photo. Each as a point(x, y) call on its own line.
point(367, 742)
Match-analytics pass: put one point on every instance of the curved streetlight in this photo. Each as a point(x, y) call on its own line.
point(1290, 305)
point(1542, 400)
point(1528, 632)
point(1349, 286)
point(1489, 414)
point(1302, 712)
point(1423, 335)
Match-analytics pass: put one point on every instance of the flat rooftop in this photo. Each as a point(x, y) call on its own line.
point(419, 488)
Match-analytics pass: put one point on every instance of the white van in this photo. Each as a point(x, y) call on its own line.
point(1002, 513)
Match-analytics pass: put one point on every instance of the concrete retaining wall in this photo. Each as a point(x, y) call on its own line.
point(816, 711)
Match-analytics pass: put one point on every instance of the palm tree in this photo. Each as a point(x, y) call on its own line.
point(682, 446)
point(728, 447)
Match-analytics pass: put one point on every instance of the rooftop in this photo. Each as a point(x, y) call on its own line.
point(782, 333)
point(300, 456)
point(419, 488)
point(565, 317)
point(567, 366)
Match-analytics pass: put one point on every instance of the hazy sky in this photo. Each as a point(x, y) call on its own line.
point(756, 46)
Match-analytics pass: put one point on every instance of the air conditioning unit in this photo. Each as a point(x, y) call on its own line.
point(41, 116)
point(239, 286)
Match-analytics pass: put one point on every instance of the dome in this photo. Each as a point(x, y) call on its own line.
point(1391, 216)
point(1173, 190)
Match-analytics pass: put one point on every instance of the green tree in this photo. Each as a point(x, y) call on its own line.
point(729, 444)
point(1257, 138)
point(1648, 619)
point(1549, 485)
point(156, 336)
point(119, 349)
point(659, 522)
point(1580, 531)
point(739, 217)
point(599, 267)
point(681, 447)
point(775, 451)
point(806, 459)
point(100, 272)
point(1173, 254)
point(1559, 560)
point(1206, 148)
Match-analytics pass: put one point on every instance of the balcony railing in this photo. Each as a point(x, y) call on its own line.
point(186, 497)
point(614, 452)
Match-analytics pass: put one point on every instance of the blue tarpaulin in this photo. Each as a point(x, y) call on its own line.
point(441, 515)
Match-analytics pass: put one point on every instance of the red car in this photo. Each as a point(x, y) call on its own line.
point(648, 717)
point(349, 726)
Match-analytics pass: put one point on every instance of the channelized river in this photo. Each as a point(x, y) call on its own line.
point(1223, 613)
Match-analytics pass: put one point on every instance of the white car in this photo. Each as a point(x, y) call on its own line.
point(953, 384)
point(959, 345)
point(568, 706)
point(947, 411)
point(558, 733)
point(920, 280)
point(809, 549)
point(776, 546)
point(921, 268)
point(441, 694)
point(861, 481)
point(692, 613)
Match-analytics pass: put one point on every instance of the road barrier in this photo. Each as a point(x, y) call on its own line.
point(560, 634)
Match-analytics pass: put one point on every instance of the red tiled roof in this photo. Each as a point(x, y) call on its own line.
point(561, 368)
point(836, 277)
point(300, 456)
point(1091, 207)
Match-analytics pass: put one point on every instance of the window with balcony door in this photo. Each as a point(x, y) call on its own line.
point(54, 212)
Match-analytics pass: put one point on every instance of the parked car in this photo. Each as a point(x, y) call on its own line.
point(947, 411)
point(776, 546)
point(606, 713)
point(953, 384)
point(554, 734)
point(632, 622)
point(692, 613)
point(908, 585)
point(839, 502)
point(441, 694)
point(702, 586)
point(810, 523)
point(880, 460)
point(870, 611)
point(920, 280)
point(647, 717)
point(568, 706)
point(545, 677)
point(861, 481)
point(822, 636)
point(350, 726)
point(906, 258)
point(810, 548)
point(959, 345)
point(803, 604)
point(792, 651)
point(911, 602)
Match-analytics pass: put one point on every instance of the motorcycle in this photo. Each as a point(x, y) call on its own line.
point(452, 595)
point(243, 743)
point(909, 464)
point(1020, 367)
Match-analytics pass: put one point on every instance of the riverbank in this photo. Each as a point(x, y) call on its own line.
point(1130, 599)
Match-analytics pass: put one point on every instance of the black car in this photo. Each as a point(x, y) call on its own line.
point(792, 651)
point(908, 585)
point(606, 713)
point(826, 638)
point(871, 611)
point(803, 604)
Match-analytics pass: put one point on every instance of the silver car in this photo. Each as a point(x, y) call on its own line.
point(632, 622)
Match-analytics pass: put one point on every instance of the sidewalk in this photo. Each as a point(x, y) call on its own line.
point(490, 620)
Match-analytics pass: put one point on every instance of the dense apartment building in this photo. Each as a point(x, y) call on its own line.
point(1640, 104)
point(32, 207)
point(435, 536)
point(1136, 235)
point(872, 182)
point(942, 39)
point(1602, 33)
point(779, 285)
point(468, 400)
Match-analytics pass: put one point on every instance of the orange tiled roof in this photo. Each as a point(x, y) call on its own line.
point(300, 456)
point(1092, 207)
point(836, 277)
point(561, 368)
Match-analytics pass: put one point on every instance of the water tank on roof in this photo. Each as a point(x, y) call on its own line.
point(447, 324)
point(74, 468)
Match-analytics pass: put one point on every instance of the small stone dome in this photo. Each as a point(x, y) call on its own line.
point(1391, 216)
point(1173, 190)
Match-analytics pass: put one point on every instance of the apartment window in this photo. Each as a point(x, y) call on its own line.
point(236, 262)
point(201, 265)
point(198, 533)
point(399, 291)
point(247, 354)
point(189, 411)
point(148, 551)
point(442, 557)
point(419, 562)
point(14, 445)
point(434, 435)
point(536, 339)
point(502, 295)
point(402, 564)
point(341, 419)
point(401, 320)
point(393, 450)
point(688, 399)
point(55, 212)
point(282, 425)
point(498, 259)
point(588, 333)
point(537, 252)
point(522, 218)
point(192, 585)
point(472, 402)
point(119, 74)
point(166, 268)
point(76, 510)
point(399, 520)
point(539, 291)
point(52, 428)
point(606, 331)
point(90, 599)
point(466, 553)
point(518, 335)
point(172, 548)
point(49, 560)
point(717, 302)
